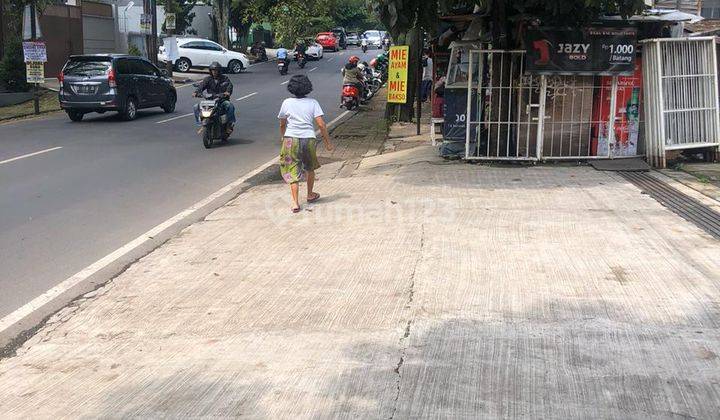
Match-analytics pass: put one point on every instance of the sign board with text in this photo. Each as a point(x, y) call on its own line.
point(170, 21)
point(398, 74)
point(146, 22)
point(35, 72)
point(605, 51)
point(34, 51)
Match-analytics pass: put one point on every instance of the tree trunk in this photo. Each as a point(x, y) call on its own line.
point(405, 112)
point(222, 16)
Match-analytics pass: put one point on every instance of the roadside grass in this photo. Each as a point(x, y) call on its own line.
point(48, 103)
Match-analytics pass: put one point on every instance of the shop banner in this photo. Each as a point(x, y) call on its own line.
point(35, 72)
point(589, 51)
point(146, 22)
point(627, 116)
point(455, 126)
point(398, 74)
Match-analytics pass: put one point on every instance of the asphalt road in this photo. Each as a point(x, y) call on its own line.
point(70, 193)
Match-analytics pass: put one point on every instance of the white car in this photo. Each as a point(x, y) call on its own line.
point(200, 52)
point(374, 38)
point(314, 51)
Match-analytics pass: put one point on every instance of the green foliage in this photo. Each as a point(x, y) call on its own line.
point(12, 67)
point(134, 50)
point(183, 14)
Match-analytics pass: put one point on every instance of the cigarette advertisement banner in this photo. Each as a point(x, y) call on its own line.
point(590, 51)
point(398, 74)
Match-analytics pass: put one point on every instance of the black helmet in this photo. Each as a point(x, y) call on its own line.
point(215, 66)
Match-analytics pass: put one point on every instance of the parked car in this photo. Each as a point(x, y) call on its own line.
point(353, 38)
point(328, 41)
point(374, 38)
point(200, 52)
point(113, 82)
point(341, 36)
point(314, 50)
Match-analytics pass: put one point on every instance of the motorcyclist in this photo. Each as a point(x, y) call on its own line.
point(300, 49)
point(352, 75)
point(364, 43)
point(258, 50)
point(282, 55)
point(217, 85)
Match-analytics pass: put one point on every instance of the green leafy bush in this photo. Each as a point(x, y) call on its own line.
point(12, 68)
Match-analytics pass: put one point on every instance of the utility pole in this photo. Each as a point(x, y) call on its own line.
point(154, 51)
point(2, 28)
point(419, 74)
point(169, 8)
point(33, 37)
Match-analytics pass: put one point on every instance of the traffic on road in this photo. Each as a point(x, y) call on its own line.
point(82, 184)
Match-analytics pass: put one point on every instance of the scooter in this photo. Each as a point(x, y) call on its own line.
point(301, 60)
point(214, 126)
point(364, 46)
point(350, 98)
point(283, 66)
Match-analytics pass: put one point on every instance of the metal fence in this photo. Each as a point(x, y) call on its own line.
point(681, 95)
point(519, 116)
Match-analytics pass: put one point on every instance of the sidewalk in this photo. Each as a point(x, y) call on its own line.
point(414, 288)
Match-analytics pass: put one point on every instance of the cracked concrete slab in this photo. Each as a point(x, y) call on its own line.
point(414, 288)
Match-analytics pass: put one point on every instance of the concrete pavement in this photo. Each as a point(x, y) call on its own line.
point(82, 190)
point(414, 288)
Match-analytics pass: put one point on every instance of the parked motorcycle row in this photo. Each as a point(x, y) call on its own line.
point(375, 77)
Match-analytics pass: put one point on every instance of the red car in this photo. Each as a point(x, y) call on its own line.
point(328, 41)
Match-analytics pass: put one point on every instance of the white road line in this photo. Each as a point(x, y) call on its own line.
point(246, 96)
point(29, 155)
point(174, 118)
point(313, 69)
point(32, 313)
point(337, 119)
point(285, 82)
point(187, 115)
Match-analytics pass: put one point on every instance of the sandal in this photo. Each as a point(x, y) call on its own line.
point(315, 197)
point(296, 209)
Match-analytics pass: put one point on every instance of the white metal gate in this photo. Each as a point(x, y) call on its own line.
point(681, 95)
point(532, 117)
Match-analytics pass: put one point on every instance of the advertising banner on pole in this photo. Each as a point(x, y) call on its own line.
point(398, 74)
point(588, 51)
point(35, 72)
point(170, 21)
point(34, 51)
point(146, 22)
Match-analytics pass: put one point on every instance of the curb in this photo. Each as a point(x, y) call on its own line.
point(22, 323)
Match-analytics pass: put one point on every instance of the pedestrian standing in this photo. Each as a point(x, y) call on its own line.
point(427, 77)
point(298, 158)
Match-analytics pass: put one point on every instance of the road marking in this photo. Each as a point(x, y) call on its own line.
point(246, 96)
point(174, 118)
point(192, 113)
point(285, 82)
point(103, 270)
point(29, 155)
point(313, 69)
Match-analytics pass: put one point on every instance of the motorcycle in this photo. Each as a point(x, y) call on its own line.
point(350, 98)
point(283, 66)
point(259, 53)
point(214, 126)
point(301, 60)
point(364, 46)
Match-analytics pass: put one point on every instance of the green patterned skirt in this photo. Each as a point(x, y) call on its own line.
point(297, 156)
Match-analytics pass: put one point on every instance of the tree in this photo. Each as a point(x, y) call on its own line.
point(221, 15)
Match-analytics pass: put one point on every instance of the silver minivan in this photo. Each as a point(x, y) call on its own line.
point(113, 82)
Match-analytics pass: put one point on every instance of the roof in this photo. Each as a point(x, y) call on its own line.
point(658, 15)
point(707, 26)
